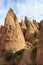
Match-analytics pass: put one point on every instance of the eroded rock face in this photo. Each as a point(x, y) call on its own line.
point(26, 60)
point(36, 23)
point(23, 24)
point(12, 35)
point(40, 47)
point(2, 45)
point(26, 21)
point(31, 31)
point(23, 27)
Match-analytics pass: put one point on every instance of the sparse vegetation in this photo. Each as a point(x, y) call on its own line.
point(13, 58)
point(28, 46)
point(35, 41)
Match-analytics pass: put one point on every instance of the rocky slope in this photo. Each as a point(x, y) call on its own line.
point(30, 29)
point(40, 46)
point(26, 35)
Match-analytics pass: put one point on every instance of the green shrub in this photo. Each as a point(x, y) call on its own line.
point(8, 55)
point(35, 41)
point(18, 54)
point(13, 58)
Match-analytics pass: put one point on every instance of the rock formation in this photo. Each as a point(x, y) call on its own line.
point(26, 21)
point(26, 60)
point(31, 31)
point(40, 46)
point(15, 36)
point(23, 24)
point(36, 23)
point(12, 37)
point(23, 27)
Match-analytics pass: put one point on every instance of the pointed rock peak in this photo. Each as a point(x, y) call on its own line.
point(14, 38)
point(10, 18)
point(22, 21)
point(23, 24)
point(26, 21)
point(26, 18)
point(10, 10)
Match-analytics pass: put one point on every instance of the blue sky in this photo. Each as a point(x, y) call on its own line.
point(31, 8)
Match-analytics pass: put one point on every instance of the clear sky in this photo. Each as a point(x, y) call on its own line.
point(31, 8)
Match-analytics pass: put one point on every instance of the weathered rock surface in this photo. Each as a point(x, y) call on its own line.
point(40, 47)
point(36, 23)
point(31, 31)
point(15, 36)
point(23, 27)
point(23, 24)
point(11, 34)
point(29, 44)
point(26, 60)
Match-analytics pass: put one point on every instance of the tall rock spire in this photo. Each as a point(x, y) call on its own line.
point(10, 18)
point(13, 38)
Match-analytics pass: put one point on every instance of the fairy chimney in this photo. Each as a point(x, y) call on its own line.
point(13, 38)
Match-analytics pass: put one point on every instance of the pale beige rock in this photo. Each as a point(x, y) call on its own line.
point(29, 44)
point(12, 35)
point(36, 23)
point(26, 21)
point(31, 31)
point(23, 27)
point(35, 26)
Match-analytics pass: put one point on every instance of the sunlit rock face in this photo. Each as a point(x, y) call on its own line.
point(40, 47)
point(32, 29)
point(12, 37)
point(23, 27)
point(23, 24)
